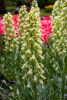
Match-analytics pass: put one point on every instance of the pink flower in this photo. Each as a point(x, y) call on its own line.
point(45, 39)
point(46, 28)
point(1, 27)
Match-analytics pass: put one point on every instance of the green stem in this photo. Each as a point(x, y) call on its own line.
point(63, 85)
point(35, 92)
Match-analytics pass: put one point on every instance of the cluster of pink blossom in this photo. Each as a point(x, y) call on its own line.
point(46, 27)
point(1, 27)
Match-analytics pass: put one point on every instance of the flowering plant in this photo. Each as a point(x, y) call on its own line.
point(22, 59)
point(23, 38)
point(55, 54)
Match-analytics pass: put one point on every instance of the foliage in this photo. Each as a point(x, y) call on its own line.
point(48, 8)
point(55, 72)
point(43, 3)
point(51, 1)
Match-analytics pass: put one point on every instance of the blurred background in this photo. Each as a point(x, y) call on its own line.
point(45, 6)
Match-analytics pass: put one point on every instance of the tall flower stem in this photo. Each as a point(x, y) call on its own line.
point(63, 86)
point(35, 91)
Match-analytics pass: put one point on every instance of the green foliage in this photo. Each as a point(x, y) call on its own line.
point(42, 3)
point(55, 73)
point(51, 1)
